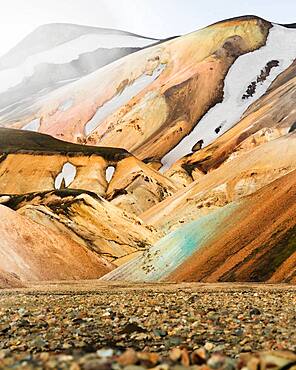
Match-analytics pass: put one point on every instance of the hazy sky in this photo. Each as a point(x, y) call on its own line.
point(156, 18)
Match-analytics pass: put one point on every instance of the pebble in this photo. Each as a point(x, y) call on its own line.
point(105, 352)
point(254, 311)
point(209, 346)
point(129, 357)
point(175, 354)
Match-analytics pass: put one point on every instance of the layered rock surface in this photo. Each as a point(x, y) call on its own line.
point(33, 162)
point(203, 187)
point(232, 180)
point(9, 280)
point(87, 219)
point(153, 97)
point(252, 239)
point(34, 252)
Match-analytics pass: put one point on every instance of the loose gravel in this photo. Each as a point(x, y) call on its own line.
point(90, 326)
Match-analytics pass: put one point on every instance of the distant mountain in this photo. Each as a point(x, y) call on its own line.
point(51, 35)
point(56, 54)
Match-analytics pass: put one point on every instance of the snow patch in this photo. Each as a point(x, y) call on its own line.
point(109, 173)
point(280, 46)
point(4, 199)
point(67, 104)
point(67, 175)
point(121, 99)
point(33, 125)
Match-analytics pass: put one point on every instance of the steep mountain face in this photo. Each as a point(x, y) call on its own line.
point(248, 240)
point(159, 79)
point(53, 56)
point(38, 162)
point(232, 180)
point(268, 118)
point(149, 101)
point(34, 252)
point(87, 219)
point(174, 163)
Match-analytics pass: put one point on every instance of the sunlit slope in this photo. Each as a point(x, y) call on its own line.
point(34, 252)
point(34, 162)
point(149, 101)
point(249, 240)
point(87, 219)
point(268, 118)
point(239, 177)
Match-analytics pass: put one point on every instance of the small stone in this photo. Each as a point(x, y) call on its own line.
point(185, 360)
point(208, 346)
point(129, 357)
point(44, 356)
point(39, 342)
point(199, 356)
point(141, 336)
point(150, 357)
point(65, 358)
point(239, 332)
point(22, 312)
point(105, 352)
point(175, 354)
point(254, 311)
point(216, 361)
point(159, 332)
point(75, 366)
point(66, 345)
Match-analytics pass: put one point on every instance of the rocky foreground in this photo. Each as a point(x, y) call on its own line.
point(90, 325)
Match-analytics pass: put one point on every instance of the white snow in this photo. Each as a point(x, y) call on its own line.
point(109, 173)
point(67, 52)
point(67, 104)
point(281, 46)
point(33, 125)
point(67, 174)
point(4, 199)
point(120, 99)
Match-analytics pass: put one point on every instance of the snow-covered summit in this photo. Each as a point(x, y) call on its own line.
point(56, 54)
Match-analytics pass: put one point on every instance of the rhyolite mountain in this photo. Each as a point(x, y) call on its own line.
point(173, 163)
point(54, 55)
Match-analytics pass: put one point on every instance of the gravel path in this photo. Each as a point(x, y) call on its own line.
point(62, 324)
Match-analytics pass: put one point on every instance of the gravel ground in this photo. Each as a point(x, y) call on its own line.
point(87, 325)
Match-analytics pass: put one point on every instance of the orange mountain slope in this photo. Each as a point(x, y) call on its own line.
point(253, 239)
point(33, 252)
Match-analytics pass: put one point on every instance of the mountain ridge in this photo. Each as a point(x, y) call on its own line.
point(206, 124)
point(13, 56)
